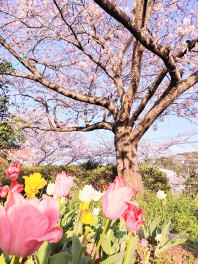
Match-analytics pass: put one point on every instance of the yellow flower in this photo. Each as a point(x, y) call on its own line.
point(33, 183)
point(87, 218)
point(88, 229)
point(84, 206)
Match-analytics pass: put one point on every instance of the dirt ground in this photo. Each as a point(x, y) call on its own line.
point(181, 255)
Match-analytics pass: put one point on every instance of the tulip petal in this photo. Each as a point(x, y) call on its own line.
point(114, 202)
point(30, 224)
point(4, 229)
point(63, 184)
point(50, 207)
point(53, 236)
point(15, 198)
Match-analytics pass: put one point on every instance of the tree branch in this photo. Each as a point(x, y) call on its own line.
point(79, 45)
point(99, 125)
point(151, 90)
point(27, 65)
point(68, 93)
point(163, 52)
point(165, 102)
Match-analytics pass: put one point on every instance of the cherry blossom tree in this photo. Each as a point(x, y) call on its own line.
point(113, 65)
point(48, 148)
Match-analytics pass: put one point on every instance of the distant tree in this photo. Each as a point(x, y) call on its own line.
point(113, 65)
point(48, 148)
point(10, 137)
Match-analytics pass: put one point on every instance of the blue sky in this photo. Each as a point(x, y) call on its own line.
point(172, 127)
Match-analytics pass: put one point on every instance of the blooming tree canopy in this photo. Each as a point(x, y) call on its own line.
point(116, 65)
point(50, 147)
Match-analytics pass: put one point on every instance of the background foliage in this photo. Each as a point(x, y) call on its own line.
point(11, 136)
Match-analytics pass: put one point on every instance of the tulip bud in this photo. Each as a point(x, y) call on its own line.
point(50, 188)
point(4, 191)
point(13, 171)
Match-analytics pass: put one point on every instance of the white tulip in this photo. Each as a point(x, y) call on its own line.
point(95, 212)
point(50, 188)
point(161, 195)
point(86, 194)
point(158, 237)
point(97, 195)
point(63, 200)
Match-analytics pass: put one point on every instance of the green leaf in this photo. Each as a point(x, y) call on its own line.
point(76, 248)
point(154, 224)
point(67, 220)
point(106, 246)
point(147, 258)
point(4, 258)
point(78, 255)
point(131, 247)
point(170, 245)
point(115, 259)
point(57, 247)
point(42, 254)
point(120, 234)
point(165, 232)
point(60, 258)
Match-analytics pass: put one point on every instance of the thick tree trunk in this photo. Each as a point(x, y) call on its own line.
point(127, 160)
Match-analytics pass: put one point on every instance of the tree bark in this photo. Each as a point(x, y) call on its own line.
point(127, 160)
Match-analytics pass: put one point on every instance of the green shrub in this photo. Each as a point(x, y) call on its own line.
point(90, 165)
point(183, 211)
point(191, 185)
point(97, 177)
point(154, 179)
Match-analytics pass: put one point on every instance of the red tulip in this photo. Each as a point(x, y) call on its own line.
point(4, 191)
point(26, 224)
point(13, 171)
point(133, 216)
point(115, 198)
point(16, 186)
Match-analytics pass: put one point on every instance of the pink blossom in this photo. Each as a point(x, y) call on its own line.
point(13, 171)
point(26, 224)
point(133, 216)
point(4, 191)
point(143, 242)
point(115, 198)
point(63, 184)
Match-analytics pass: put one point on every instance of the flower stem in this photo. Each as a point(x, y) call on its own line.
point(76, 224)
point(131, 247)
point(14, 260)
point(100, 240)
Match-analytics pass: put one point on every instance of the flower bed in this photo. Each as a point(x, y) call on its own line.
point(68, 225)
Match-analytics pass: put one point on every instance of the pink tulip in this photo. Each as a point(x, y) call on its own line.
point(13, 171)
point(133, 216)
point(26, 224)
point(4, 191)
point(63, 184)
point(115, 198)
